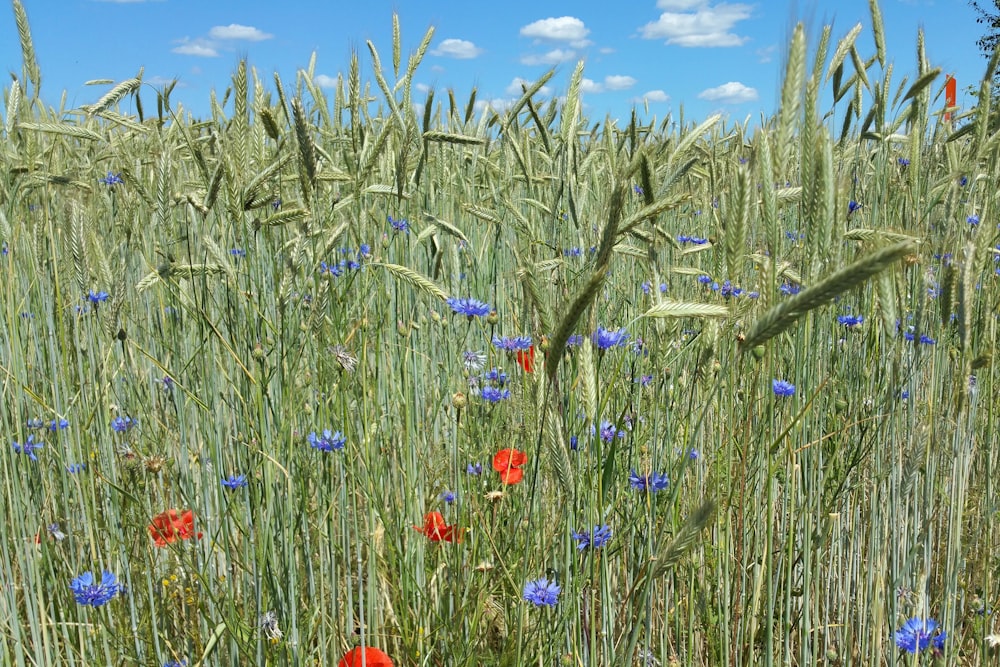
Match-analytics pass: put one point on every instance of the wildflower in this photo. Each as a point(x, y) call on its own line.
point(494, 394)
point(694, 454)
point(576, 340)
point(365, 655)
point(36, 423)
point(469, 307)
point(542, 592)
point(268, 622)
point(448, 497)
point(526, 359)
point(790, 289)
point(652, 482)
point(851, 321)
point(973, 220)
point(276, 204)
point(437, 529)
point(926, 340)
point(176, 663)
point(572, 252)
point(727, 290)
point(74, 468)
point(90, 594)
point(111, 179)
point(97, 297)
point(595, 539)
point(496, 376)
point(399, 225)
point(782, 388)
point(704, 279)
point(609, 431)
point(28, 447)
point(473, 360)
point(604, 338)
point(917, 635)
point(902, 162)
point(121, 424)
point(508, 463)
point(333, 270)
point(645, 287)
point(238, 253)
point(234, 482)
point(574, 442)
point(637, 189)
point(172, 525)
point(55, 532)
point(852, 206)
point(512, 344)
point(327, 442)
point(475, 469)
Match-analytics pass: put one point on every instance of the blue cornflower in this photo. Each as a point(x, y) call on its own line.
point(473, 360)
point(694, 454)
point(97, 297)
point(789, 289)
point(644, 380)
point(5, 250)
point(469, 307)
point(698, 240)
point(575, 340)
point(645, 287)
point(399, 225)
point(572, 252)
point(55, 532)
point(276, 204)
point(87, 592)
point(512, 344)
point(926, 340)
point(574, 442)
point(704, 279)
point(28, 447)
point(238, 253)
point(637, 189)
point(327, 442)
point(496, 376)
point(917, 635)
point(448, 497)
point(609, 431)
point(727, 290)
point(782, 388)
point(852, 206)
point(851, 321)
point(176, 663)
point(904, 394)
point(59, 425)
point(963, 181)
point(36, 423)
point(594, 539)
point(494, 394)
point(475, 469)
point(121, 424)
point(605, 338)
point(653, 482)
point(334, 270)
point(234, 482)
point(111, 179)
point(902, 162)
point(74, 468)
point(973, 220)
point(364, 250)
point(542, 592)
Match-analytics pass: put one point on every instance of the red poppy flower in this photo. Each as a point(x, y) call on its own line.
point(171, 526)
point(526, 359)
point(508, 463)
point(437, 530)
point(365, 655)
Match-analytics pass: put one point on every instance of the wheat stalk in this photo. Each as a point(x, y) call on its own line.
point(785, 314)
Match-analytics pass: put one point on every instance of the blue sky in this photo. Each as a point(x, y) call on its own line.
point(704, 55)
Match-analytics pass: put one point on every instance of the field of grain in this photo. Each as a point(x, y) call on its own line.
point(513, 387)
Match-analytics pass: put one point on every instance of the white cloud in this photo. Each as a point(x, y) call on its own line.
point(325, 81)
point(237, 31)
point(196, 47)
point(497, 104)
point(563, 29)
point(708, 25)
point(553, 57)
point(733, 92)
point(590, 86)
point(618, 82)
point(766, 54)
point(654, 96)
point(515, 88)
point(421, 87)
point(159, 80)
point(457, 48)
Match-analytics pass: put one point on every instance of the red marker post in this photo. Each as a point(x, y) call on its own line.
point(950, 88)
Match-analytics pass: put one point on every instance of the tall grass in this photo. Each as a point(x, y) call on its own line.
point(242, 288)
